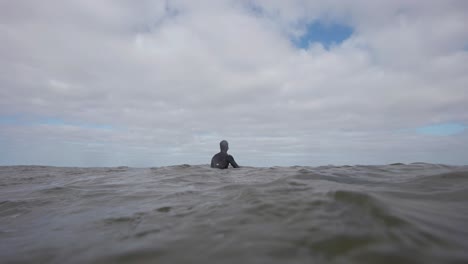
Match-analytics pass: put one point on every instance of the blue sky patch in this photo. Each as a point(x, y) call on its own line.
point(324, 33)
point(23, 120)
point(254, 8)
point(10, 120)
point(52, 121)
point(446, 129)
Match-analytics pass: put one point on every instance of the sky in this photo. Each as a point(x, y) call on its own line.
point(155, 83)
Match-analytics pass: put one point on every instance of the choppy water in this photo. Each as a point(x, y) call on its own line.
point(416, 213)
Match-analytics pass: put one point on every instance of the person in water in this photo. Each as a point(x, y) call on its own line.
point(222, 160)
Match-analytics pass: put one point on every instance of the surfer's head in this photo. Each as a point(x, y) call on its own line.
point(224, 146)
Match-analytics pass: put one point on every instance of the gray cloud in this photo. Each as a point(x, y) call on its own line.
point(173, 78)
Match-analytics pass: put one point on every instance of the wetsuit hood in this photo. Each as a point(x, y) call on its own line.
point(224, 145)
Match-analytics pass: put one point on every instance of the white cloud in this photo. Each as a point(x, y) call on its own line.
point(173, 78)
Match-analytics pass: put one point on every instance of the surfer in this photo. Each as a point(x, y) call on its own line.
point(222, 160)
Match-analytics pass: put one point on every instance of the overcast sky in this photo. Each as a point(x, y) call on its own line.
point(154, 83)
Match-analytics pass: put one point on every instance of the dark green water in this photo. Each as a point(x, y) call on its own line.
point(416, 213)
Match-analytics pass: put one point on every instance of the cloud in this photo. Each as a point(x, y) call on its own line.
point(173, 78)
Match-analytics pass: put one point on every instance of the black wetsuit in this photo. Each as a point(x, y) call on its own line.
point(222, 161)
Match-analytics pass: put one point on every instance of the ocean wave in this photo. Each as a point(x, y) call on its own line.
point(412, 213)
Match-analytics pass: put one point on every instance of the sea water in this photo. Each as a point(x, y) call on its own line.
point(413, 213)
